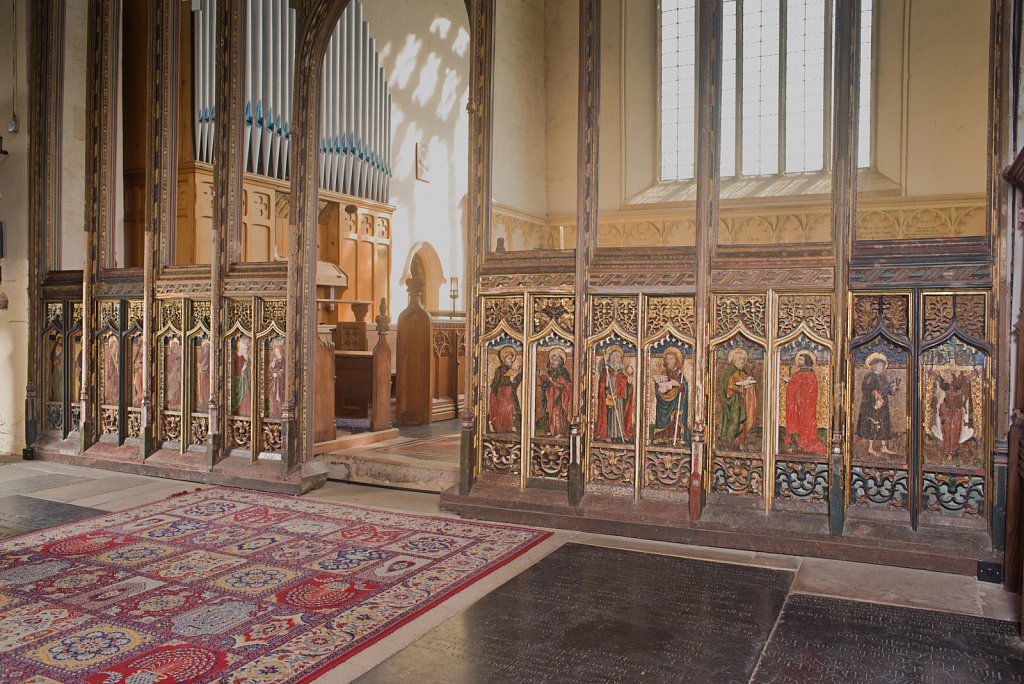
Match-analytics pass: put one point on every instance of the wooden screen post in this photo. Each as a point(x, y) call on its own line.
point(481, 21)
point(380, 416)
point(586, 221)
point(228, 167)
point(708, 84)
point(844, 212)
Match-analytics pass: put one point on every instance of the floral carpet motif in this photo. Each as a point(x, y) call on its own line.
point(228, 586)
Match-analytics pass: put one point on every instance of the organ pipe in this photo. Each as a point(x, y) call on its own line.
point(355, 108)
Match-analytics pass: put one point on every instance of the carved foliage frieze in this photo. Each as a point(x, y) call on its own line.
point(813, 311)
point(526, 281)
point(643, 280)
point(621, 311)
point(501, 457)
point(665, 311)
point(560, 310)
point(760, 278)
point(944, 311)
point(734, 310)
point(890, 311)
point(507, 309)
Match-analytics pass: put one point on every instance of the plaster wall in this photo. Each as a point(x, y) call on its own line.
point(14, 214)
point(72, 166)
point(424, 47)
point(520, 105)
point(931, 97)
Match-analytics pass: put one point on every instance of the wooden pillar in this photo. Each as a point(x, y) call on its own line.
point(161, 152)
point(315, 21)
point(46, 22)
point(586, 225)
point(844, 213)
point(101, 150)
point(228, 169)
point(1004, 31)
point(709, 82)
point(481, 22)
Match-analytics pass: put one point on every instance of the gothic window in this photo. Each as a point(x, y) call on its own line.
point(776, 94)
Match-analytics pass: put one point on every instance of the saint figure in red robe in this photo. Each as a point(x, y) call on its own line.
point(555, 389)
point(802, 407)
point(615, 399)
point(503, 411)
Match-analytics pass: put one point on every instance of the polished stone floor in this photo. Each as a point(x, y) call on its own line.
point(584, 607)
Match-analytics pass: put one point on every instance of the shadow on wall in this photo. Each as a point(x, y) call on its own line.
point(425, 51)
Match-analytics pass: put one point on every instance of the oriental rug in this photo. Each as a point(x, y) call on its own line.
point(231, 586)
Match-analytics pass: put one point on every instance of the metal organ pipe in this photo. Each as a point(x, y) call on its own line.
point(355, 108)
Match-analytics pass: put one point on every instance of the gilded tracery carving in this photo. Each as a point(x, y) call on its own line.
point(813, 311)
point(170, 314)
point(892, 309)
point(507, 309)
point(734, 310)
point(665, 311)
point(560, 310)
point(618, 310)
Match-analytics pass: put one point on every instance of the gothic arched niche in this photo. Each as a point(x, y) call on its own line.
point(425, 265)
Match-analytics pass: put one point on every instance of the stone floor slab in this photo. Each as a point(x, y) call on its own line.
point(588, 613)
point(885, 584)
point(27, 514)
point(37, 482)
point(821, 639)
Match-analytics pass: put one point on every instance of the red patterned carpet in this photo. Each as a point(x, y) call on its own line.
point(228, 586)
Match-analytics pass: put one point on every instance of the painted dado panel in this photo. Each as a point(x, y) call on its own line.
point(921, 388)
point(915, 359)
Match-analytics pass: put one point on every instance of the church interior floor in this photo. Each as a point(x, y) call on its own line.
point(422, 458)
point(589, 607)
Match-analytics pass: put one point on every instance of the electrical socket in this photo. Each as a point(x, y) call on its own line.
point(12, 125)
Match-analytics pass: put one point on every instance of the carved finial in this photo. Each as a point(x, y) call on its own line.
point(383, 319)
point(416, 285)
